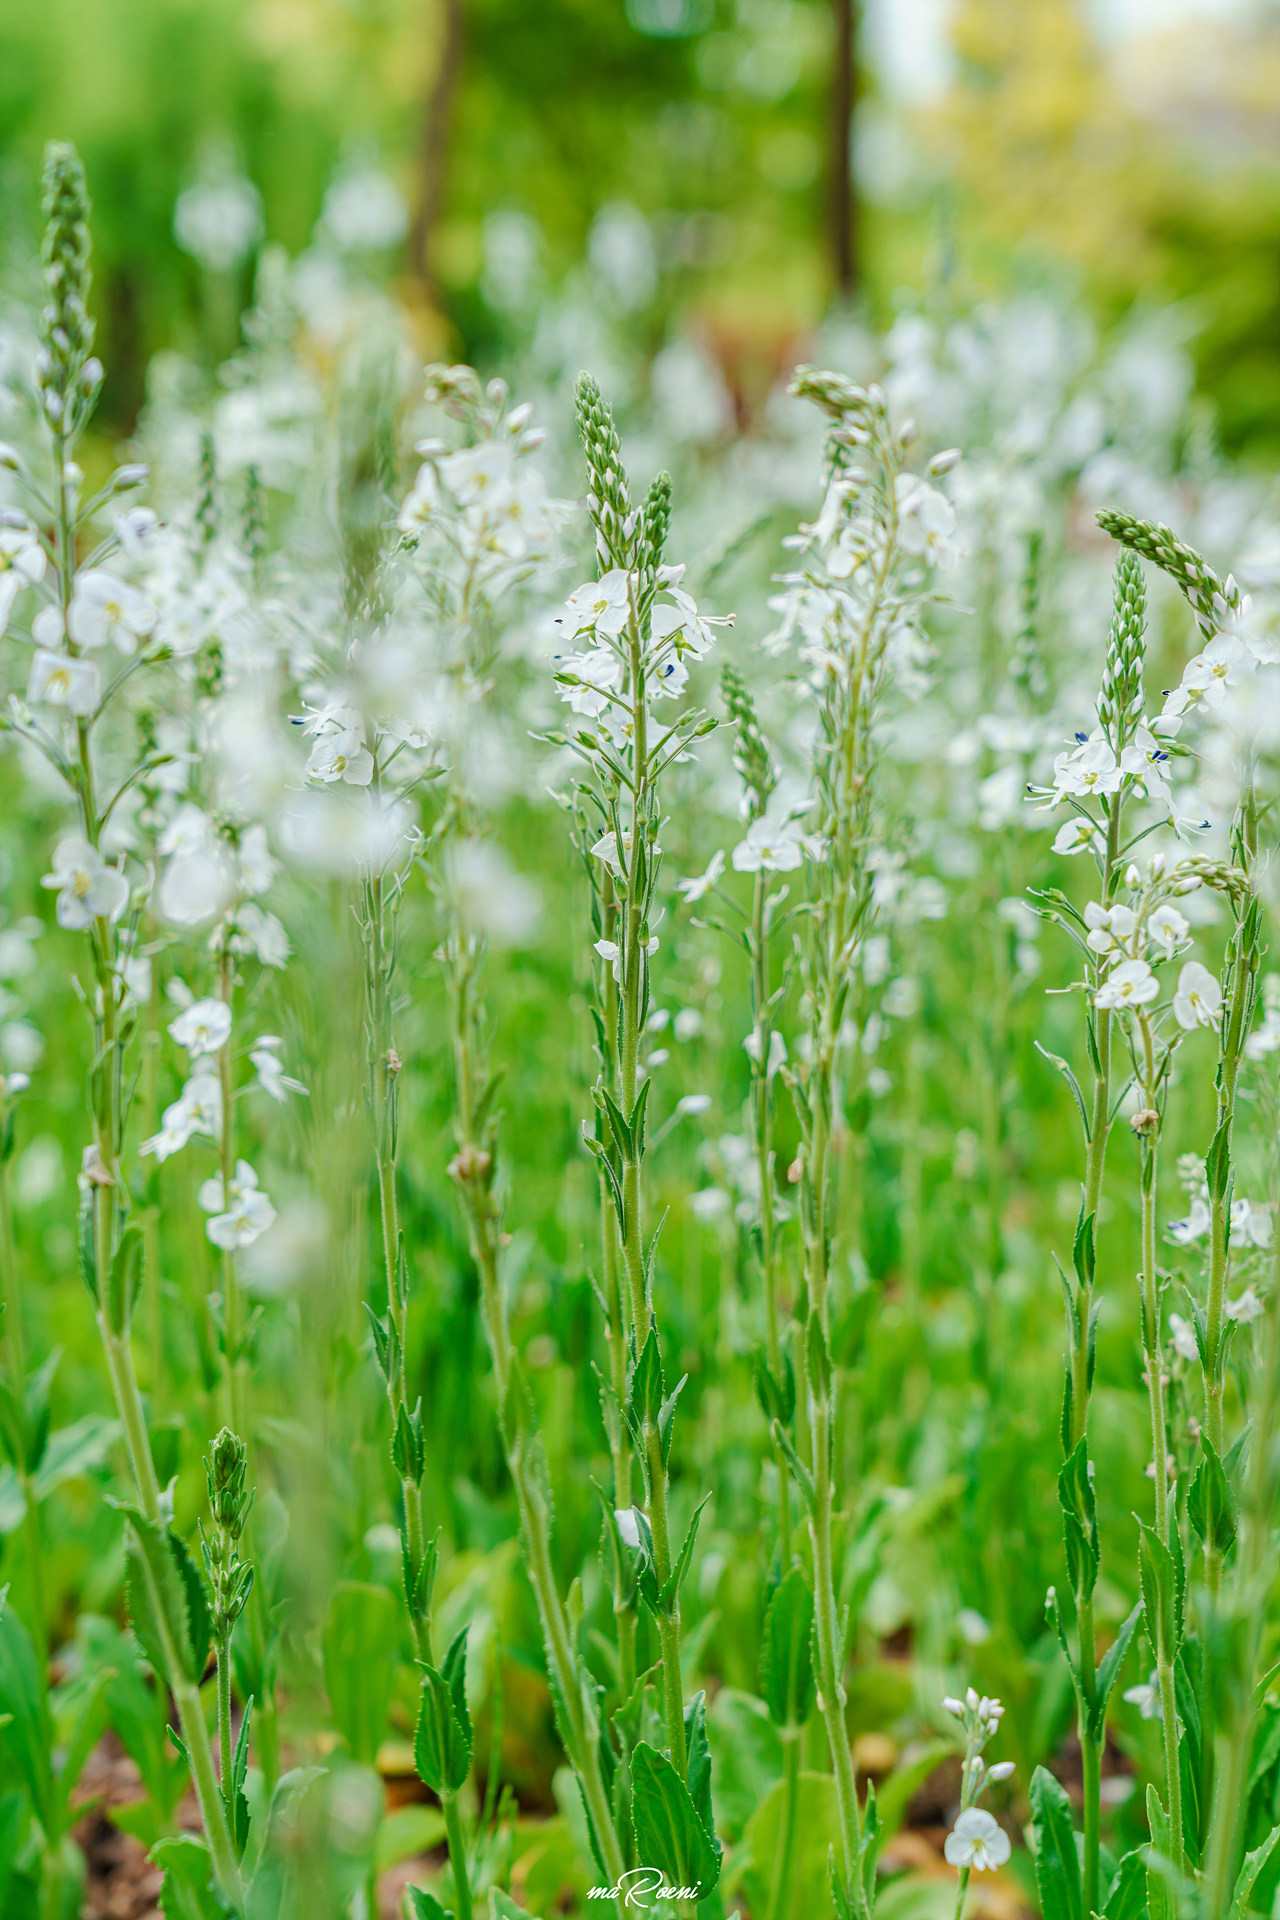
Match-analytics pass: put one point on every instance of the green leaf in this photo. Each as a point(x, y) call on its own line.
point(1109, 1670)
point(1160, 1901)
point(236, 1802)
point(1056, 1060)
point(1161, 1591)
point(1250, 1869)
point(670, 1593)
point(1057, 1862)
point(786, 1661)
point(1127, 1899)
point(159, 1577)
point(359, 1645)
point(503, 1907)
point(698, 1767)
point(425, 1906)
point(644, 1389)
point(442, 1743)
point(1217, 1162)
point(124, 1280)
point(74, 1450)
point(188, 1892)
point(1211, 1505)
point(28, 1736)
point(669, 1834)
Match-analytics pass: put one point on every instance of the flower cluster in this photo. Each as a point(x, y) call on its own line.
point(977, 1842)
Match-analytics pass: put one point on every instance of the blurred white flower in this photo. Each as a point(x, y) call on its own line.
point(217, 221)
point(1246, 1307)
point(21, 565)
point(87, 888)
point(1183, 1336)
point(490, 895)
point(198, 1109)
point(104, 608)
point(202, 1028)
point(1197, 1223)
point(240, 1216)
point(777, 1050)
point(926, 522)
point(693, 889)
point(364, 211)
point(61, 680)
point(1146, 1698)
point(1250, 1224)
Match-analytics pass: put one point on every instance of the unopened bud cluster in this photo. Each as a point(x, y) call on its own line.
point(230, 1500)
point(70, 378)
point(609, 497)
point(1120, 701)
point(750, 751)
point(1209, 597)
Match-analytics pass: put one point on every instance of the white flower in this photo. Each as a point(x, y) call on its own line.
point(238, 1219)
point(1206, 678)
point(687, 1024)
point(272, 1078)
point(600, 673)
point(1167, 928)
point(600, 607)
point(1130, 985)
point(1145, 1698)
point(63, 681)
point(88, 889)
point(606, 849)
point(202, 1028)
point(978, 1841)
point(198, 1109)
point(1108, 926)
point(21, 565)
point(1073, 836)
point(257, 932)
point(1198, 1001)
point(1246, 1307)
point(104, 608)
point(1183, 1336)
point(1250, 1225)
point(682, 624)
point(692, 1104)
point(694, 889)
point(926, 521)
point(773, 846)
point(1197, 1223)
point(342, 755)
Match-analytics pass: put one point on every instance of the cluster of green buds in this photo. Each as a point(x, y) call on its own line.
point(1120, 702)
point(230, 1501)
point(1209, 597)
point(751, 760)
point(70, 377)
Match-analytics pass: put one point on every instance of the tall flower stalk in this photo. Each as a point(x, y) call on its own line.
point(856, 617)
point(83, 610)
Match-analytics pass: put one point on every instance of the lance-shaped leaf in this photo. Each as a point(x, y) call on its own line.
point(1127, 1898)
point(1162, 1591)
point(1057, 1862)
point(425, 1906)
point(124, 1280)
point(786, 1659)
point(698, 1751)
point(24, 1705)
point(644, 1389)
point(167, 1602)
point(442, 1744)
point(1109, 1671)
point(188, 1892)
point(1211, 1505)
point(1250, 1869)
point(670, 1592)
point(669, 1833)
point(1056, 1060)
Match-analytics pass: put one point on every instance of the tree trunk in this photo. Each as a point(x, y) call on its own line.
point(842, 211)
point(434, 150)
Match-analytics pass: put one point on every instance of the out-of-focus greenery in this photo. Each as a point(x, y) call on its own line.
point(708, 118)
